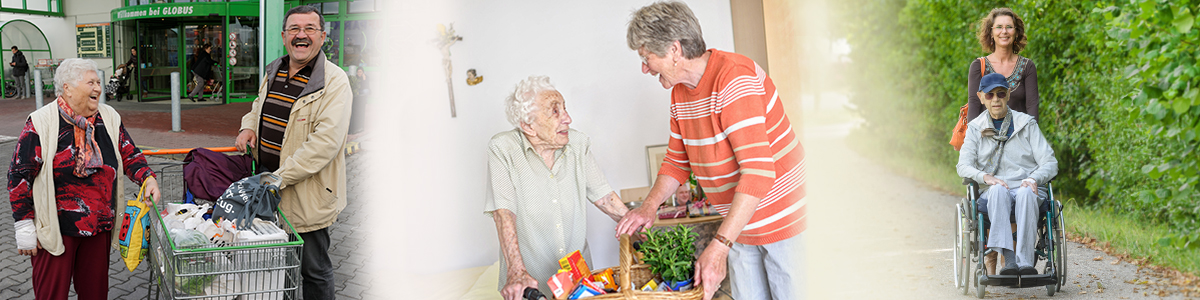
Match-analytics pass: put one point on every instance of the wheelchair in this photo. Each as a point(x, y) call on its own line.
point(971, 240)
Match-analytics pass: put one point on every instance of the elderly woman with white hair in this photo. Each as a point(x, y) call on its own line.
point(64, 181)
point(540, 176)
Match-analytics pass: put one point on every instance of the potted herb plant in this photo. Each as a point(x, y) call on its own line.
point(671, 255)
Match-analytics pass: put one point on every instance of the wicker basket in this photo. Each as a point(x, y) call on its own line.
point(626, 274)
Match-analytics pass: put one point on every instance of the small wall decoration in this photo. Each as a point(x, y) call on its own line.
point(445, 39)
point(654, 159)
point(472, 78)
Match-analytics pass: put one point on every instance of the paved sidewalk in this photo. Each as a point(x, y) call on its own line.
point(209, 125)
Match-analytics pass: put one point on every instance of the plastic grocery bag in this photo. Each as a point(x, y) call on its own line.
point(133, 242)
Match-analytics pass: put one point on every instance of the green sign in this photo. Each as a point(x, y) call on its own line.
point(91, 40)
point(174, 10)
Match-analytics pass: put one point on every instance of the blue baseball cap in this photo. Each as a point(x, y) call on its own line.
point(992, 81)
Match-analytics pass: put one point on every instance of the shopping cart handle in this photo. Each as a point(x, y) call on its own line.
point(185, 150)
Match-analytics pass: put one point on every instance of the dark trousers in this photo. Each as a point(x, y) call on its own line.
point(85, 259)
point(315, 265)
point(22, 86)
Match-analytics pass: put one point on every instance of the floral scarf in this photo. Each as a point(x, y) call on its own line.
point(87, 151)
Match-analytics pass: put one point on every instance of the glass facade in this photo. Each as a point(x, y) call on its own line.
point(167, 45)
point(243, 56)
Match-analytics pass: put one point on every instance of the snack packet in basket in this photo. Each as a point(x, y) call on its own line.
point(561, 284)
point(574, 263)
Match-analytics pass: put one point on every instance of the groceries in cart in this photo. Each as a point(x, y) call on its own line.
point(188, 228)
point(201, 252)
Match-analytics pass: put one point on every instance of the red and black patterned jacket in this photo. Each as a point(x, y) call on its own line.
point(85, 205)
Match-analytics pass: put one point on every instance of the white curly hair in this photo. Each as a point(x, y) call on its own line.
point(521, 103)
point(71, 71)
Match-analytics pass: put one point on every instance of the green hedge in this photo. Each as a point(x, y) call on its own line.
point(1118, 83)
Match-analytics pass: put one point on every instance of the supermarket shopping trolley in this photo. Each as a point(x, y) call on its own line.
point(267, 269)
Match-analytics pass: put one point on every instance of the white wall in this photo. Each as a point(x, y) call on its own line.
point(440, 162)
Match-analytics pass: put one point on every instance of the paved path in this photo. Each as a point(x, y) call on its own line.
point(211, 126)
point(878, 235)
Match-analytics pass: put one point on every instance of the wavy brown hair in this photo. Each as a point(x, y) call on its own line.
point(985, 30)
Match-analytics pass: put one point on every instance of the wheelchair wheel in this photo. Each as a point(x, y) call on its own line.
point(1060, 247)
point(962, 251)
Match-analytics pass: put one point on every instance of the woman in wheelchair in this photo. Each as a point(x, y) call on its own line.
point(1006, 150)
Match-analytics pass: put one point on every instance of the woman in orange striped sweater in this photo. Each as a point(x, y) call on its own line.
point(729, 128)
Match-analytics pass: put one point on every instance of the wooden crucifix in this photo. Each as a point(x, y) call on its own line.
point(447, 38)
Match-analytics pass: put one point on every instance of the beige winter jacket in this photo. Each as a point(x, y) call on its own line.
point(313, 166)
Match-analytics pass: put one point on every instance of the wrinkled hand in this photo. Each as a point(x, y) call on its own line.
point(515, 288)
point(710, 268)
point(637, 220)
point(1029, 183)
point(243, 139)
point(31, 252)
point(992, 180)
point(152, 190)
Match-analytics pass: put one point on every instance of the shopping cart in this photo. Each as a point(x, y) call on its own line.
point(240, 270)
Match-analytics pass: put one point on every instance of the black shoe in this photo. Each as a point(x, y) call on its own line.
point(1028, 270)
point(1010, 269)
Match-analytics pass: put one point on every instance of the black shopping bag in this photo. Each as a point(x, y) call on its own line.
point(252, 197)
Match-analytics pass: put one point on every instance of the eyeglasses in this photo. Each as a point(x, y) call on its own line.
point(1003, 27)
point(307, 30)
point(994, 95)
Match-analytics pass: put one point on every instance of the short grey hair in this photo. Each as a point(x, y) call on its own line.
point(522, 102)
point(71, 71)
point(658, 25)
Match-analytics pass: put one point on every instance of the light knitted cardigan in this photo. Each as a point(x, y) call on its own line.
point(45, 204)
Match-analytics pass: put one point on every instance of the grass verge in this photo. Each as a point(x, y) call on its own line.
point(1123, 235)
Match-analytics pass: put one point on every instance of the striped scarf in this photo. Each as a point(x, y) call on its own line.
point(87, 151)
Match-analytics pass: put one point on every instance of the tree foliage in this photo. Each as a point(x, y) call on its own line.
point(1117, 80)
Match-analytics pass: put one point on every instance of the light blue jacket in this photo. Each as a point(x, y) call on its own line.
point(1026, 153)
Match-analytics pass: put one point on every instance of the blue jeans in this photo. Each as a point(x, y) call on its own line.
point(773, 271)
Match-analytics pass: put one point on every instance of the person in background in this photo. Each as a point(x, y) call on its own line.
point(134, 64)
point(65, 181)
point(541, 176)
point(296, 129)
point(728, 127)
point(20, 66)
point(201, 71)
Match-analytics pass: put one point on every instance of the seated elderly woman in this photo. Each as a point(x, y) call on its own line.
point(1006, 150)
point(65, 185)
point(540, 176)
